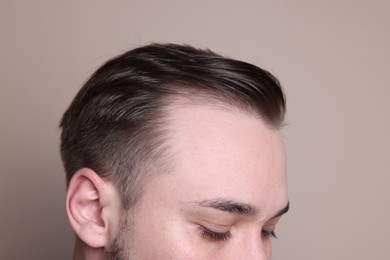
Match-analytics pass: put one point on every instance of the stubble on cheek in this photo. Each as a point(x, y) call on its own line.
point(118, 250)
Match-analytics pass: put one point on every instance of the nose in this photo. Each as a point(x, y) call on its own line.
point(253, 249)
point(257, 252)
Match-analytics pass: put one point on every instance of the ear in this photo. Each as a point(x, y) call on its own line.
point(93, 207)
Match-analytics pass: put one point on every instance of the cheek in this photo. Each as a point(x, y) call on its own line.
point(157, 235)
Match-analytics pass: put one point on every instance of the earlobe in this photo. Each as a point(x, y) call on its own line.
point(84, 208)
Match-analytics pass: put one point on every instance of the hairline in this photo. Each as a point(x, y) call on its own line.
point(165, 156)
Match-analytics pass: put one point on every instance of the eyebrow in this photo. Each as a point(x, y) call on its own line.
point(232, 206)
point(229, 206)
point(283, 211)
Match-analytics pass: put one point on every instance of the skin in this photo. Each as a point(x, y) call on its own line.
point(228, 177)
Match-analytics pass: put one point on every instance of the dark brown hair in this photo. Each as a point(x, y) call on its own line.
point(115, 125)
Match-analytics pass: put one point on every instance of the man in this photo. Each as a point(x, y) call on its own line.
point(172, 152)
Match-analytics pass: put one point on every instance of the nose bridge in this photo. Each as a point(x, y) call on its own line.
point(257, 250)
point(253, 247)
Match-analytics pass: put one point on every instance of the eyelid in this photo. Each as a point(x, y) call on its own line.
point(214, 225)
point(273, 221)
point(214, 235)
point(215, 228)
point(268, 233)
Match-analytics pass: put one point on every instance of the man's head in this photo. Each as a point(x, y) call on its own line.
point(174, 136)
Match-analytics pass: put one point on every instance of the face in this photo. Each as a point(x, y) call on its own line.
point(223, 197)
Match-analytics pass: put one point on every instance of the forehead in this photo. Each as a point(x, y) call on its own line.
point(220, 151)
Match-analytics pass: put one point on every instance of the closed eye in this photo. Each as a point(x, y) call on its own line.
point(268, 234)
point(213, 235)
point(224, 236)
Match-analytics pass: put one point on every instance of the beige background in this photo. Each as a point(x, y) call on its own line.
point(332, 57)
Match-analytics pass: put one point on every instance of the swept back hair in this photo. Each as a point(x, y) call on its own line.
point(116, 124)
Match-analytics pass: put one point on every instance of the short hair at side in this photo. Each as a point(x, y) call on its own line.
point(116, 124)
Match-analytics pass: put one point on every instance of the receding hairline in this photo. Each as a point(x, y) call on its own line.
point(118, 121)
point(166, 158)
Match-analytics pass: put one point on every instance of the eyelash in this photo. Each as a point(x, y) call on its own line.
point(268, 234)
point(215, 236)
point(224, 236)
